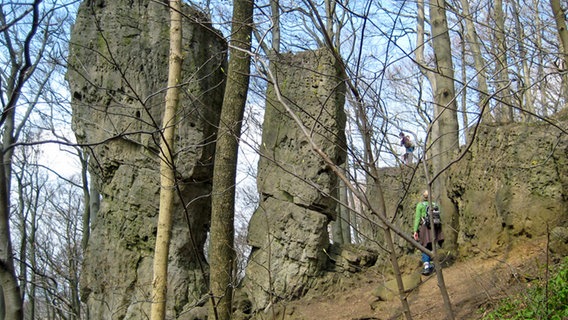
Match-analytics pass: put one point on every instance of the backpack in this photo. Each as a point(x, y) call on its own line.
point(435, 216)
point(407, 142)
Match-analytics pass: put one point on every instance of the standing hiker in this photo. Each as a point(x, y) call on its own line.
point(409, 147)
point(422, 229)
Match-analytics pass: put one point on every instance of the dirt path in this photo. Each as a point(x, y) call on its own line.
point(471, 284)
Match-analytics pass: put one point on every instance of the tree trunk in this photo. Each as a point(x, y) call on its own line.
point(420, 44)
point(336, 227)
point(222, 252)
point(342, 225)
point(33, 263)
point(167, 174)
point(541, 96)
point(330, 6)
point(479, 62)
point(464, 90)
point(12, 302)
point(526, 99)
point(22, 214)
point(95, 201)
point(86, 221)
point(445, 126)
point(275, 17)
point(560, 18)
point(503, 110)
point(356, 219)
point(345, 213)
point(8, 281)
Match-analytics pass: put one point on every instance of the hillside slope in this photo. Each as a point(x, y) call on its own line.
point(473, 285)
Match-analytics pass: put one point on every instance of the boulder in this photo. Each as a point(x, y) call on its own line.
point(389, 290)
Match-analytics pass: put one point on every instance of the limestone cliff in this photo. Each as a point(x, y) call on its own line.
point(118, 68)
point(511, 184)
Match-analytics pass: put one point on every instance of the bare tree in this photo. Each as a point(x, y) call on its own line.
point(61, 257)
point(30, 186)
point(167, 170)
point(27, 31)
point(49, 233)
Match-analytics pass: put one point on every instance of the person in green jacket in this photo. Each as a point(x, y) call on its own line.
point(422, 233)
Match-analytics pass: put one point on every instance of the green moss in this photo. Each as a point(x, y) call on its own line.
point(101, 43)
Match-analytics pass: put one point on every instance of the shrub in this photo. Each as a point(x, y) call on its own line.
point(539, 302)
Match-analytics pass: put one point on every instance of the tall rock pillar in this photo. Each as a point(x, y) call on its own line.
point(118, 67)
point(288, 232)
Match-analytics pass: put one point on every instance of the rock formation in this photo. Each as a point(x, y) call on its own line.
point(288, 232)
point(118, 68)
point(511, 184)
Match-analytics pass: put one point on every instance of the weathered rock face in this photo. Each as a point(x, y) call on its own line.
point(512, 184)
point(288, 231)
point(118, 75)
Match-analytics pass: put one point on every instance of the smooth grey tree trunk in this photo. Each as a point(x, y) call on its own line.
point(560, 19)
point(479, 62)
point(503, 110)
point(445, 127)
